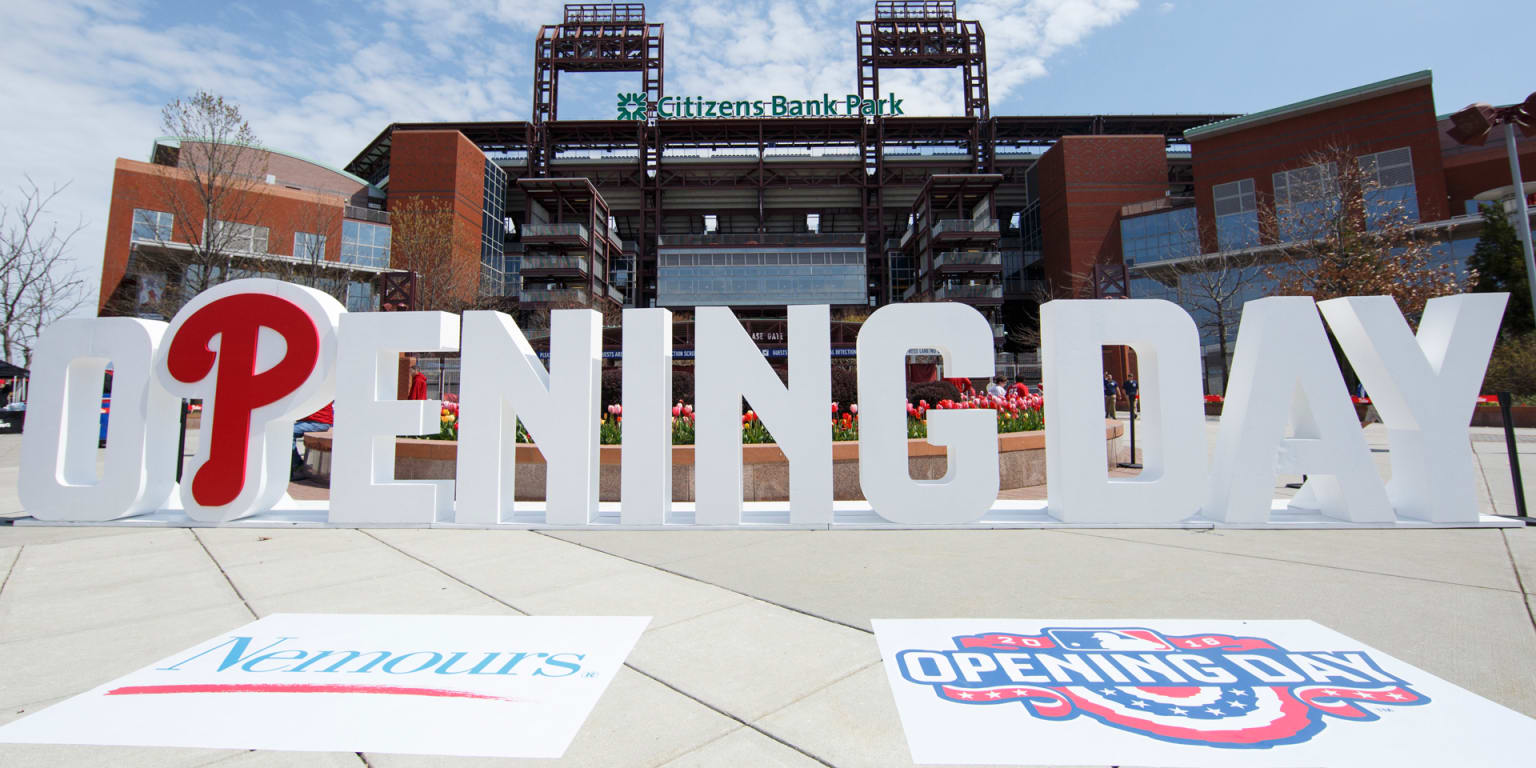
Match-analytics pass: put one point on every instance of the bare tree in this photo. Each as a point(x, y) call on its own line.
point(212, 189)
point(1342, 235)
point(421, 241)
point(312, 224)
point(38, 282)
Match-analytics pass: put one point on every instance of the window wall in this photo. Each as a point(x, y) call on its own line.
point(493, 226)
point(1159, 236)
point(760, 276)
point(241, 238)
point(364, 244)
point(1306, 200)
point(1387, 178)
point(308, 246)
point(1237, 215)
point(155, 226)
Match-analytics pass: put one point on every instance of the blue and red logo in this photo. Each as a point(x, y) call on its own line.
point(1205, 690)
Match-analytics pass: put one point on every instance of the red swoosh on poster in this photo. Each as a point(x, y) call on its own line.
point(389, 690)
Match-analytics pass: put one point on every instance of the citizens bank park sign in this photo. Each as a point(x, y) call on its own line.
point(262, 354)
point(634, 106)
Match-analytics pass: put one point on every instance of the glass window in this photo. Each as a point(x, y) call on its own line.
point(236, 237)
point(152, 225)
point(1237, 216)
point(1306, 200)
point(1388, 187)
point(308, 246)
point(365, 244)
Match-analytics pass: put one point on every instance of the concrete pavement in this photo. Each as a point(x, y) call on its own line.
point(760, 652)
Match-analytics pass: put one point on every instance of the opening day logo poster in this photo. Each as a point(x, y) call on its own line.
point(1178, 693)
point(489, 686)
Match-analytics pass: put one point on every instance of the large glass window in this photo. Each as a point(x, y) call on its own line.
point(364, 244)
point(1159, 236)
point(761, 276)
point(308, 246)
point(1387, 181)
point(1306, 200)
point(152, 225)
point(1237, 215)
point(236, 237)
point(493, 227)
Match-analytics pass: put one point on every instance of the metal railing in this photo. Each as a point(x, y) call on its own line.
point(968, 292)
point(555, 230)
point(968, 258)
point(365, 214)
point(577, 296)
point(964, 225)
point(554, 262)
point(764, 239)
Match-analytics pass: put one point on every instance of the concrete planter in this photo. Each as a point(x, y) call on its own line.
point(1489, 415)
point(765, 471)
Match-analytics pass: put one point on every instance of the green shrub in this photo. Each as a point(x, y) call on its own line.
point(1513, 366)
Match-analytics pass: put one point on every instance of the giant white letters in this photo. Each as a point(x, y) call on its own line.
point(646, 479)
point(369, 417)
point(58, 455)
point(1172, 480)
point(1425, 389)
point(1284, 367)
point(262, 354)
point(267, 349)
point(502, 381)
point(970, 484)
point(730, 367)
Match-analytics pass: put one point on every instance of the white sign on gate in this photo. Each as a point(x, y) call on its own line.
point(484, 686)
point(1178, 693)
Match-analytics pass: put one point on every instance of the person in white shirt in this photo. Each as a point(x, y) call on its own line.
point(996, 388)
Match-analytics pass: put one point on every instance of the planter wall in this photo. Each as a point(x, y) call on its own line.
point(765, 471)
point(1489, 416)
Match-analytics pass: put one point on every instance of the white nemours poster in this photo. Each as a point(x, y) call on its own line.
point(489, 686)
point(1179, 693)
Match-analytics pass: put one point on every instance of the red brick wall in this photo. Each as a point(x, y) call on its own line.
point(1084, 181)
point(1473, 170)
point(1402, 119)
point(143, 185)
point(444, 165)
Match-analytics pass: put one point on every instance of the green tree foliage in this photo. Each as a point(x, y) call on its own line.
point(1500, 266)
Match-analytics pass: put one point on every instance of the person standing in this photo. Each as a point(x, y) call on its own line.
point(995, 389)
point(1131, 389)
point(418, 390)
point(1111, 392)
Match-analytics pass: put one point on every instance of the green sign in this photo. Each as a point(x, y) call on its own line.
point(633, 106)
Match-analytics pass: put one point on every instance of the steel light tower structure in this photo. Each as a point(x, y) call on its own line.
point(1472, 126)
point(917, 34)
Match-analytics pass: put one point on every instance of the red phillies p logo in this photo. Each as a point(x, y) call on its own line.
point(260, 354)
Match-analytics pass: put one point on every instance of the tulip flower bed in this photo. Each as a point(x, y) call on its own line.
point(1017, 411)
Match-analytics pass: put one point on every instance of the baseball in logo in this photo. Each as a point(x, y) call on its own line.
point(1204, 690)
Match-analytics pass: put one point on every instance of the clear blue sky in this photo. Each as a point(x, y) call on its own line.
point(84, 80)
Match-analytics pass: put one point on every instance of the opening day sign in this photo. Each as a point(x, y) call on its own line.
point(480, 686)
point(262, 354)
point(1178, 693)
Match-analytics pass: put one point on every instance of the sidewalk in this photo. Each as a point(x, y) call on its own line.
point(760, 650)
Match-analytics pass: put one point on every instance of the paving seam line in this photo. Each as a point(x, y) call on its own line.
point(1514, 566)
point(635, 669)
point(227, 579)
point(1290, 562)
point(11, 568)
point(679, 574)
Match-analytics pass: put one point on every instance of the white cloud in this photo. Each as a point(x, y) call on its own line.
point(86, 78)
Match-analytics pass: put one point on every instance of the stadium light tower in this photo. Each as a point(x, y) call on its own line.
point(1472, 126)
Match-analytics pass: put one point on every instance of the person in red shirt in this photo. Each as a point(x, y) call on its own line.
point(319, 421)
point(418, 390)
